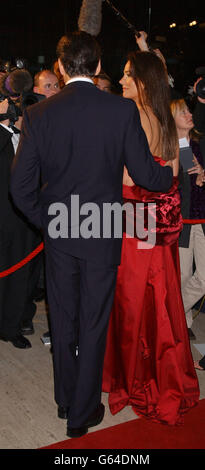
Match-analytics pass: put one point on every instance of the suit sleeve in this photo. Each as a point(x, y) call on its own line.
point(25, 175)
point(140, 163)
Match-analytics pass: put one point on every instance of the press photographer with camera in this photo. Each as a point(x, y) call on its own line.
point(17, 237)
point(16, 86)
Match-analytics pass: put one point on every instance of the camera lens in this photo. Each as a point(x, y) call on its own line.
point(200, 88)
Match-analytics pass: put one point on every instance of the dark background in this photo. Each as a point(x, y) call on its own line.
point(30, 29)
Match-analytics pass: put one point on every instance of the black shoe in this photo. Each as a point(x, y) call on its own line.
point(27, 329)
point(45, 338)
point(63, 412)
point(93, 420)
point(47, 334)
point(77, 432)
point(191, 334)
point(18, 341)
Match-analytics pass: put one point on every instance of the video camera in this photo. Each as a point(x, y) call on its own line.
point(200, 87)
point(16, 85)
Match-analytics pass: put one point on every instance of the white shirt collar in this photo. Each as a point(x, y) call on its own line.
point(15, 137)
point(7, 128)
point(79, 79)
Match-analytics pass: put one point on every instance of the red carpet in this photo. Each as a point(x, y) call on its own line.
point(144, 434)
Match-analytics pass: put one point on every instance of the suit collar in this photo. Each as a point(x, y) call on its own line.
point(5, 136)
point(79, 84)
point(80, 79)
point(8, 129)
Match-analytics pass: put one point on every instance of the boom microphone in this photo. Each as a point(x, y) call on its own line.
point(122, 17)
point(90, 17)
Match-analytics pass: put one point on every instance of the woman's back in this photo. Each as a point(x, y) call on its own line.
point(154, 134)
point(152, 129)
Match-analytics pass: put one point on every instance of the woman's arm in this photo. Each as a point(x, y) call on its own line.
point(174, 164)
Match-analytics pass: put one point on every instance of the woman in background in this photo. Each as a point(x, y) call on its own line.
point(192, 237)
point(148, 363)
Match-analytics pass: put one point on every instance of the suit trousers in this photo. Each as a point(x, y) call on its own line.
point(193, 283)
point(80, 298)
point(16, 290)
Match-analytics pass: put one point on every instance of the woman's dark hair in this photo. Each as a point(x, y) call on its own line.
point(148, 69)
point(79, 53)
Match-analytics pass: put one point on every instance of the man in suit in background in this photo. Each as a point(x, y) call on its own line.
point(79, 141)
point(17, 239)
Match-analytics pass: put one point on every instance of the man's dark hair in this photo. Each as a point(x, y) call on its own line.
point(79, 53)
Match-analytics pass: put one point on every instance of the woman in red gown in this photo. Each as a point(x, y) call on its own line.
point(148, 362)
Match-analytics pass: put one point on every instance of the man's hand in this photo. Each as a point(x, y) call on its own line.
point(142, 41)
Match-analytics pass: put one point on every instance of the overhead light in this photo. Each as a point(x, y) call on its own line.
point(173, 25)
point(193, 23)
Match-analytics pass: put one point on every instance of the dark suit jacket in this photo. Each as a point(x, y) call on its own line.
point(6, 156)
point(11, 218)
point(17, 239)
point(78, 143)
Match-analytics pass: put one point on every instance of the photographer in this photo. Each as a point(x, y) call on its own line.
point(46, 83)
point(17, 237)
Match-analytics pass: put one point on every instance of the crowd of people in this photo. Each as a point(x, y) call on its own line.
point(120, 318)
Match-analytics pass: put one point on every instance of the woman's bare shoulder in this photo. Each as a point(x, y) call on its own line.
point(151, 128)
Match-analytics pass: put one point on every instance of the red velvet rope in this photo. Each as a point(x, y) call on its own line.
point(41, 247)
point(23, 262)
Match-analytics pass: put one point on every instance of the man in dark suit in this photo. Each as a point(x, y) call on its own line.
point(17, 239)
point(79, 141)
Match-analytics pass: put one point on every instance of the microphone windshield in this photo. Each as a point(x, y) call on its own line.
point(90, 18)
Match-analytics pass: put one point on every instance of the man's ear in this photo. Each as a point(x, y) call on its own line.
point(98, 69)
point(61, 68)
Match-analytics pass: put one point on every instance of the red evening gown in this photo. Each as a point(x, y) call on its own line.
point(148, 362)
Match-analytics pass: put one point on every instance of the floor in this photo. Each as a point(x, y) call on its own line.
point(27, 408)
